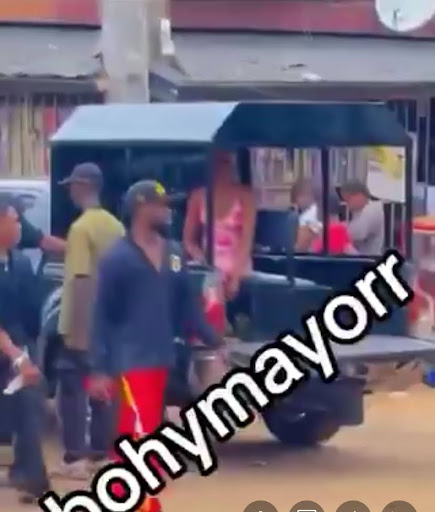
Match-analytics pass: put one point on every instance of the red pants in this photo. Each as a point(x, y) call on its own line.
point(142, 400)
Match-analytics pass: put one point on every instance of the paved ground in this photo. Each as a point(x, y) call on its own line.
point(391, 457)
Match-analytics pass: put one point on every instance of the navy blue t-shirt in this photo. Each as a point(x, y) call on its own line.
point(136, 309)
point(31, 237)
point(19, 299)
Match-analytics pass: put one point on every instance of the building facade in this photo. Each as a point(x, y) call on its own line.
point(48, 66)
point(276, 49)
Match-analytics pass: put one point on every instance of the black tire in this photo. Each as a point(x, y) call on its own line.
point(302, 429)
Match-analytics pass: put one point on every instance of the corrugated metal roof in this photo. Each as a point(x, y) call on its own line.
point(301, 124)
point(242, 57)
point(48, 52)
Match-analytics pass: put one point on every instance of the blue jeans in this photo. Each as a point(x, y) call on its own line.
point(74, 405)
point(26, 407)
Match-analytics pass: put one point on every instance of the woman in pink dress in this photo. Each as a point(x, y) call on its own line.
point(234, 223)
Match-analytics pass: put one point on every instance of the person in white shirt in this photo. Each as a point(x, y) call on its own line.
point(304, 198)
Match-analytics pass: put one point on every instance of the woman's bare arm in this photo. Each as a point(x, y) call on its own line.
point(248, 228)
point(191, 227)
point(304, 239)
point(350, 250)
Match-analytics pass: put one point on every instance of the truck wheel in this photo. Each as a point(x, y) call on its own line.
point(300, 429)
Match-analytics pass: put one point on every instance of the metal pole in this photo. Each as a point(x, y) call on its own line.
point(324, 158)
point(135, 34)
point(210, 209)
point(409, 200)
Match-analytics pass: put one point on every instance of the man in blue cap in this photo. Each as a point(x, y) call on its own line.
point(89, 237)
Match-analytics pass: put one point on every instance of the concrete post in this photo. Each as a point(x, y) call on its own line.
point(124, 49)
point(133, 36)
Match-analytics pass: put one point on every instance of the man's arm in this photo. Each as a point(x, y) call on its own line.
point(30, 290)
point(105, 310)
point(8, 348)
point(31, 236)
point(34, 238)
point(50, 243)
point(19, 359)
point(79, 259)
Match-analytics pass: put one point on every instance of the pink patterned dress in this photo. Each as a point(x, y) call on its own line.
point(227, 236)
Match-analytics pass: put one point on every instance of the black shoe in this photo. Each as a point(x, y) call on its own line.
point(16, 478)
point(27, 499)
point(30, 492)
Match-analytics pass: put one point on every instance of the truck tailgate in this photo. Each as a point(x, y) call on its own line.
point(374, 348)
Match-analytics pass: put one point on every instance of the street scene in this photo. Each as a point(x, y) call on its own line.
point(217, 283)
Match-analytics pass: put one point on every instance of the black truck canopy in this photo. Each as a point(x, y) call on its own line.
point(233, 125)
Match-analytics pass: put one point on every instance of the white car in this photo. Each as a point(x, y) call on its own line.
point(34, 194)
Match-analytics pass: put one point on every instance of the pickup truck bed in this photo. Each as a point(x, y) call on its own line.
point(374, 348)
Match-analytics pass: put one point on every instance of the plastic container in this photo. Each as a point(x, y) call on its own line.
point(208, 366)
point(213, 300)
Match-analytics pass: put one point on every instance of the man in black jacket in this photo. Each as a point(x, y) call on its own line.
point(143, 291)
point(19, 317)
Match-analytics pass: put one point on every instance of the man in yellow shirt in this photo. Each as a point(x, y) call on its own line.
point(88, 239)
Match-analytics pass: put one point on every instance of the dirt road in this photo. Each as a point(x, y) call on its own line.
point(391, 457)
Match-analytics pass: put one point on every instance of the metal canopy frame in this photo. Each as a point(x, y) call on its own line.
point(236, 126)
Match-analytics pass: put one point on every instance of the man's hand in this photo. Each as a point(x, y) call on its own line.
point(29, 372)
point(101, 387)
point(222, 353)
point(209, 367)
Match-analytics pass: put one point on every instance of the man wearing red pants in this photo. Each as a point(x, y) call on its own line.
point(142, 290)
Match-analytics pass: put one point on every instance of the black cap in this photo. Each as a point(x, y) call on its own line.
point(86, 172)
point(148, 192)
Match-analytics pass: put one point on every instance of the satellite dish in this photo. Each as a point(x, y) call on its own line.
point(405, 15)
